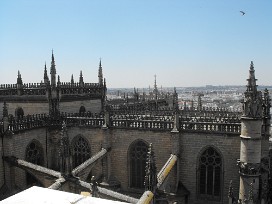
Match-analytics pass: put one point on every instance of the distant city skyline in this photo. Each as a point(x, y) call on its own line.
point(183, 43)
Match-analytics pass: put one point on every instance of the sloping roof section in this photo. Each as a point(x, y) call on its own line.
point(38, 195)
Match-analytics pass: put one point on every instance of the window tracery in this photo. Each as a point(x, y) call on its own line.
point(138, 156)
point(34, 154)
point(80, 151)
point(210, 174)
point(19, 112)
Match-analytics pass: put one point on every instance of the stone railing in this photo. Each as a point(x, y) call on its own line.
point(230, 128)
point(220, 125)
point(141, 122)
point(77, 85)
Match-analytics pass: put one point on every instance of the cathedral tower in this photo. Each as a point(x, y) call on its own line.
point(251, 137)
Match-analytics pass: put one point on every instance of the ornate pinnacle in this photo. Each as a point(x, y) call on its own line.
point(250, 196)
point(251, 85)
point(266, 104)
point(252, 104)
point(53, 66)
point(100, 73)
point(45, 76)
point(230, 193)
point(151, 171)
point(58, 79)
point(19, 78)
point(175, 100)
point(72, 79)
point(81, 78)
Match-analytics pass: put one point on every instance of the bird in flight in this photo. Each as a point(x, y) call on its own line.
point(243, 13)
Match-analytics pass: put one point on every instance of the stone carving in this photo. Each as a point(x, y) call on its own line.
point(249, 169)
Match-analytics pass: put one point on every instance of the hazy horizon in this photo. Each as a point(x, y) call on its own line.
point(184, 43)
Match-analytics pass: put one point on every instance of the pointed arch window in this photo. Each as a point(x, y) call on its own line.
point(82, 110)
point(34, 154)
point(80, 151)
point(210, 174)
point(19, 112)
point(138, 155)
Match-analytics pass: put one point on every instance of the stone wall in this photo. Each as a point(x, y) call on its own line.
point(16, 145)
point(121, 141)
point(29, 108)
point(191, 147)
point(94, 106)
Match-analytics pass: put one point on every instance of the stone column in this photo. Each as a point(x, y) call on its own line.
point(250, 157)
point(251, 141)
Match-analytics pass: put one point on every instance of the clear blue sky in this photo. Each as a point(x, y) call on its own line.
point(185, 43)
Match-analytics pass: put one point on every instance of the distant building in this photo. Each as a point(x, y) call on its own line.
point(68, 136)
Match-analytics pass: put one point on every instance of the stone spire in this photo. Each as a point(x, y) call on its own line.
point(45, 76)
point(19, 78)
point(252, 104)
point(175, 100)
point(72, 79)
point(251, 81)
point(100, 74)
point(155, 88)
point(81, 82)
point(53, 71)
point(151, 171)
